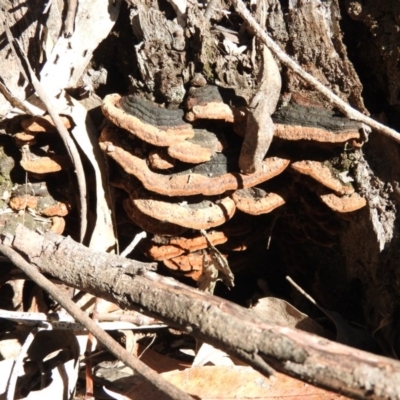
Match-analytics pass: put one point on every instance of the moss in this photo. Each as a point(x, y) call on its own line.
point(208, 72)
point(209, 55)
point(12, 220)
point(7, 163)
point(345, 162)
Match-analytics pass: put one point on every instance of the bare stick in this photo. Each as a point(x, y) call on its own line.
point(115, 348)
point(302, 291)
point(349, 111)
point(134, 243)
point(62, 130)
point(227, 326)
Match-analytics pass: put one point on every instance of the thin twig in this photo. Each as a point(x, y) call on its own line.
point(114, 347)
point(148, 346)
point(302, 291)
point(349, 111)
point(64, 134)
point(133, 244)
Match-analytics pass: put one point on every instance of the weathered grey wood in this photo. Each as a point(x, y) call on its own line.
point(232, 328)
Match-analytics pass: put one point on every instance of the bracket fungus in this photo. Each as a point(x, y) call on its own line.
point(41, 159)
point(160, 159)
point(185, 184)
point(296, 122)
point(256, 201)
point(43, 124)
point(58, 225)
point(322, 174)
point(311, 133)
point(193, 215)
point(18, 203)
point(43, 165)
point(150, 224)
point(182, 179)
point(147, 121)
point(24, 139)
point(178, 245)
point(43, 156)
point(190, 265)
point(207, 103)
point(198, 149)
point(343, 204)
point(57, 209)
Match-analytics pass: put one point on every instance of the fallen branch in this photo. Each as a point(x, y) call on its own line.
point(225, 325)
point(349, 111)
point(112, 345)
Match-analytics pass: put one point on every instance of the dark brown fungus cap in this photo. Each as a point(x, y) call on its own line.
point(146, 120)
point(150, 224)
point(185, 184)
point(256, 201)
point(343, 204)
point(179, 245)
point(322, 174)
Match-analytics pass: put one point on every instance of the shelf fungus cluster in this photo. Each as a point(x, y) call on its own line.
point(42, 155)
point(181, 172)
point(37, 158)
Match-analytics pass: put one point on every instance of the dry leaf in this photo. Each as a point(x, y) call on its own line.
point(208, 354)
point(280, 312)
point(237, 382)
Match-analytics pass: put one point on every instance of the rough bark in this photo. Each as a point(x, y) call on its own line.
point(226, 325)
